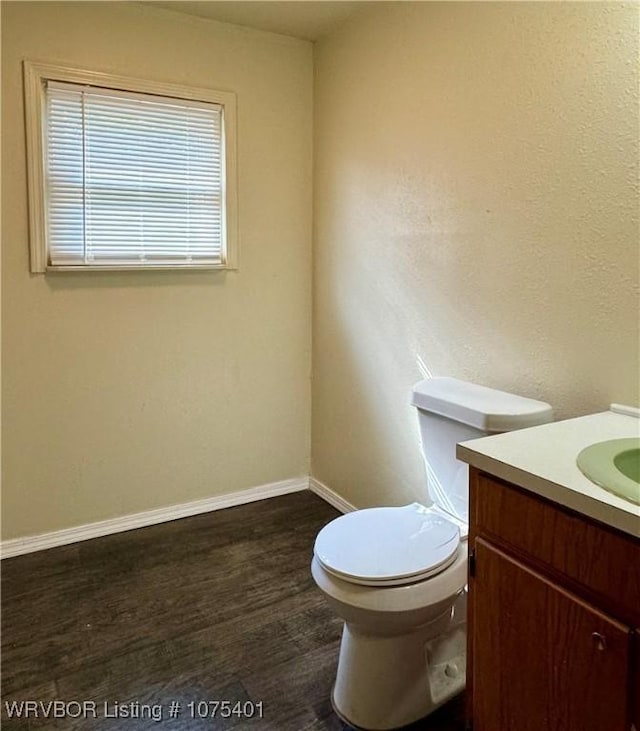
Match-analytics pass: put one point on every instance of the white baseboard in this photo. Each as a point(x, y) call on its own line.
point(29, 544)
point(326, 493)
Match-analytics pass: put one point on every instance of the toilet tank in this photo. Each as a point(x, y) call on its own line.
point(452, 411)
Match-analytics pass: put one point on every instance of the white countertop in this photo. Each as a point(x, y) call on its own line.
point(542, 459)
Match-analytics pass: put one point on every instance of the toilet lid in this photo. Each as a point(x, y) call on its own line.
point(387, 546)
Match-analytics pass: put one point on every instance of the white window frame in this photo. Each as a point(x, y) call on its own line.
point(36, 76)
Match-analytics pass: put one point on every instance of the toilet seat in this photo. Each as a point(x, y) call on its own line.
point(388, 546)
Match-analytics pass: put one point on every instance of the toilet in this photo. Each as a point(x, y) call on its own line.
point(397, 575)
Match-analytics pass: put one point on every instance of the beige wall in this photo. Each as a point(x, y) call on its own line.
point(124, 392)
point(475, 215)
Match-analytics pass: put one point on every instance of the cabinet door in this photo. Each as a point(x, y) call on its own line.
point(543, 660)
point(635, 682)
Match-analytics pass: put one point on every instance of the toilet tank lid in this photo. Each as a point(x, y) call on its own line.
point(483, 408)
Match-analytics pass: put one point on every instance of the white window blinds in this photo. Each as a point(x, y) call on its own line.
point(132, 179)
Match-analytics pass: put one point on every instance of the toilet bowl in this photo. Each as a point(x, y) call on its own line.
point(397, 575)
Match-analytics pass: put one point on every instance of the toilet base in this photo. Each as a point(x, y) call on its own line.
point(387, 683)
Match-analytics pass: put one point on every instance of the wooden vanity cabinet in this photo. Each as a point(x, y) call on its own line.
point(554, 616)
point(635, 682)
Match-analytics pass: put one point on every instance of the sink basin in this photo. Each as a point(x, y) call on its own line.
point(615, 466)
point(628, 462)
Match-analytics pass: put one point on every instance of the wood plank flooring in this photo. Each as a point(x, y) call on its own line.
point(215, 607)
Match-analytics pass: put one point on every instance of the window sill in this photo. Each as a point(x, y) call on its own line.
point(141, 268)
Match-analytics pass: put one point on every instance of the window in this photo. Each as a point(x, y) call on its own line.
point(128, 174)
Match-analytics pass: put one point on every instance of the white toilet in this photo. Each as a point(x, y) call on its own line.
point(397, 575)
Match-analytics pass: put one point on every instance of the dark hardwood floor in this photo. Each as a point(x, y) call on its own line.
point(215, 607)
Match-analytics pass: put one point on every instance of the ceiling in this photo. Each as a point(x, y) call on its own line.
point(307, 19)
